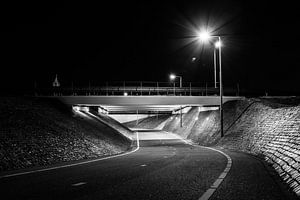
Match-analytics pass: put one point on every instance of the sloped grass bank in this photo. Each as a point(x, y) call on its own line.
point(39, 132)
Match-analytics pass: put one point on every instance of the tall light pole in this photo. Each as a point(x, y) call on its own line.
point(173, 76)
point(205, 36)
point(215, 68)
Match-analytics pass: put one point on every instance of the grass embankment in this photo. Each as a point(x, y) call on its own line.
point(39, 132)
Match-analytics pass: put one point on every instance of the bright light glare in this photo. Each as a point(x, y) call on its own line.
point(218, 44)
point(196, 118)
point(76, 108)
point(125, 94)
point(203, 36)
point(81, 108)
point(172, 76)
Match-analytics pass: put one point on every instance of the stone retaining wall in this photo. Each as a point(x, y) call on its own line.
point(272, 132)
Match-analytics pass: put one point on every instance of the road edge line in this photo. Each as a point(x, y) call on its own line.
point(75, 164)
point(209, 192)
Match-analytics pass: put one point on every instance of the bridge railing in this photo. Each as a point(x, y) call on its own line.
point(137, 88)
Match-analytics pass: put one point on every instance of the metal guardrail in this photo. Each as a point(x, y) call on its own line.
point(116, 91)
point(136, 88)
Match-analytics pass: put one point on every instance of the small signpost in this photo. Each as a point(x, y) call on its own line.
point(56, 85)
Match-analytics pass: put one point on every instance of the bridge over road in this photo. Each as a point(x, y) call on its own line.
point(144, 103)
point(141, 96)
point(145, 100)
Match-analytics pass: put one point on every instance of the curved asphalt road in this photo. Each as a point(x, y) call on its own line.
point(163, 168)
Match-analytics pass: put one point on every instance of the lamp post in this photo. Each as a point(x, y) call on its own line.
point(173, 76)
point(205, 36)
point(215, 68)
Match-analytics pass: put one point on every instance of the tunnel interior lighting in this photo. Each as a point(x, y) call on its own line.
point(76, 108)
point(85, 108)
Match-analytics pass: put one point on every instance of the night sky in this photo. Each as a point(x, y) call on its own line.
point(97, 41)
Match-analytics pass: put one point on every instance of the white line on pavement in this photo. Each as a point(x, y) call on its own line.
point(219, 180)
point(75, 164)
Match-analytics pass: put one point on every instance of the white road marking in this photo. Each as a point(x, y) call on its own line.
point(222, 176)
point(75, 164)
point(78, 184)
point(205, 196)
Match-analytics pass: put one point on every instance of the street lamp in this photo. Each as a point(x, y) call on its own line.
point(173, 76)
point(216, 46)
point(205, 36)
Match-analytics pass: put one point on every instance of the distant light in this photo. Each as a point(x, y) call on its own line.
point(218, 44)
point(172, 76)
point(203, 36)
point(194, 59)
point(125, 94)
point(196, 118)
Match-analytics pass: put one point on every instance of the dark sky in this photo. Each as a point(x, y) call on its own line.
point(85, 41)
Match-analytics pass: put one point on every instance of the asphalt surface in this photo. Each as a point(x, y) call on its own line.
point(164, 167)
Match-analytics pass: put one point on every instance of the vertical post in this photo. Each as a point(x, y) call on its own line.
point(180, 116)
point(221, 88)
point(106, 88)
point(174, 87)
point(180, 81)
point(137, 117)
point(180, 85)
point(215, 68)
point(89, 88)
point(141, 88)
point(205, 88)
point(157, 87)
point(190, 89)
point(238, 89)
